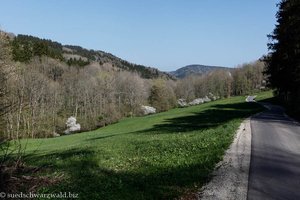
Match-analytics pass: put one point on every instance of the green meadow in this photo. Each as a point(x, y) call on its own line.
point(160, 156)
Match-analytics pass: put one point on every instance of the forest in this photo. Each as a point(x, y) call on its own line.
point(40, 91)
point(282, 61)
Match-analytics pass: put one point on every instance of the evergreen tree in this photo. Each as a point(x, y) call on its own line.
point(283, 62)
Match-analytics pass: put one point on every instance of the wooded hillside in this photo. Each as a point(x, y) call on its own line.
point(41, 87)
point(25, 47)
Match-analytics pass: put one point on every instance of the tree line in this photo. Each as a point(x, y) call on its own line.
point(283, 61)
point(243, 80)
point(38, 96)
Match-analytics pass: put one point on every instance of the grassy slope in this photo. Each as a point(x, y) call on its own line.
point(159, 156)
point(265, 96)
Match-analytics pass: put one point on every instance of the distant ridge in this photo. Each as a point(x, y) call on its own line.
point(195, 70)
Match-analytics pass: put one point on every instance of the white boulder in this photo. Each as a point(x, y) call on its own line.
point(72, 126)
point(148, 110)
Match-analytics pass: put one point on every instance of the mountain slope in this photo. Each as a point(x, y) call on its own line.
point(195, 70)
point(25, 47)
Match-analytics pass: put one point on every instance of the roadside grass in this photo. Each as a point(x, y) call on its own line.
point(160, 156)
point(269, 97)
point(266, 96)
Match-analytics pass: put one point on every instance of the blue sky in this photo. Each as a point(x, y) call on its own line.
point(166, 34)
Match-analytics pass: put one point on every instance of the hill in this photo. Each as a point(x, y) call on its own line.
point(59, 81)
point(195, 69)
point(161, 156)
point(25, 47)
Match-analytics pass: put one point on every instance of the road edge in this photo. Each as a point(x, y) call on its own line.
point(231, 175)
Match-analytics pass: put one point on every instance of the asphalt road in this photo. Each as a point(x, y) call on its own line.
point(275, 156)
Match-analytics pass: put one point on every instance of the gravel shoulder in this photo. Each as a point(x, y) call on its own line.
point(230, 179)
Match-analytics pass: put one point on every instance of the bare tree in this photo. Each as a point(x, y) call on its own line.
point(130, 91)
